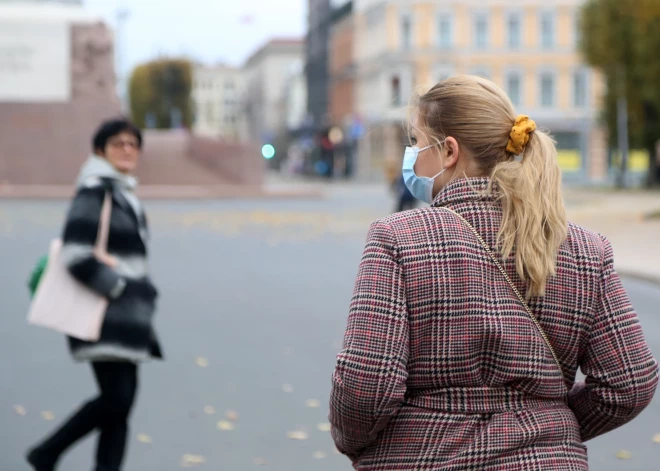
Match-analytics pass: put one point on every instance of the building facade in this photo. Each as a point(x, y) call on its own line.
point(265, 75)
point(527, 48)
point(317, 59)
point(342, 66)
point(294, 96)
point(216, 95)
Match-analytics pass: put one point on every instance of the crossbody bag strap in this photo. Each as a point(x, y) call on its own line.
point(104, 223)
point(515, 290)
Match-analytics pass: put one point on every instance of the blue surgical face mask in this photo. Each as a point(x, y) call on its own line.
point(420, 187)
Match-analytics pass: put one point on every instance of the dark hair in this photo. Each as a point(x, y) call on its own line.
point(111, 128)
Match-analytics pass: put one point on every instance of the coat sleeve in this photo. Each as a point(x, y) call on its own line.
point(369, 381)
point(79, 239)
point(621, 373)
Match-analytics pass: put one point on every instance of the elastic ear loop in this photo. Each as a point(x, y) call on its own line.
point(444, 169)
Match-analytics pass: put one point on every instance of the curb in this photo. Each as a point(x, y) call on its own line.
point(164, 192)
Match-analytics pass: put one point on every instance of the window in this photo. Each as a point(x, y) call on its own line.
point(229, 86)
point(513, 88)
point(445, 34)
point(514, 29)
point(547, 30)
point(406, 31)
point(547, 90)
point(395, 88)
point(481, 31)
point(210, 112)
point(577, 28)
point(580, 89)
point(482, 72)
point(375, 16)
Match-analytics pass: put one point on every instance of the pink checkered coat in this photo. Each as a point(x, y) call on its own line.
point(442, 369)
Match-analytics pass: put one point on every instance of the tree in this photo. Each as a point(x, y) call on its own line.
point(621, 38)
point(162, 89)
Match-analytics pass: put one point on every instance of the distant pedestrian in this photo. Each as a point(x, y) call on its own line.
point(405, 199)
point(127, 336)
point(470, 319)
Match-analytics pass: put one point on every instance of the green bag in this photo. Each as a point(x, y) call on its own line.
point(37, 273)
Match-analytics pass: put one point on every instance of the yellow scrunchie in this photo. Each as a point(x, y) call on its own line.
point(519, 136)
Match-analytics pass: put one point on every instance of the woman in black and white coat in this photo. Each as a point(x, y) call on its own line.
point(127, 336)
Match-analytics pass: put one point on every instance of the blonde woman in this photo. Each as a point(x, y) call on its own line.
point(470, 318)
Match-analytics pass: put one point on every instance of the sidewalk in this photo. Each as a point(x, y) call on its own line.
point(622, 218)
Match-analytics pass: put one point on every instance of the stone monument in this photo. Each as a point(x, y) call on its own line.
point(57, 82)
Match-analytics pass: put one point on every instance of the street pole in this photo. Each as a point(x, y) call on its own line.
point(622, 127)
point(121, 17)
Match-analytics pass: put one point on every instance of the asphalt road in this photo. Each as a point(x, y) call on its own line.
point(257, 293)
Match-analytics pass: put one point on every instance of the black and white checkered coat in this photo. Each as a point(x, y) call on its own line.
point(127, 333)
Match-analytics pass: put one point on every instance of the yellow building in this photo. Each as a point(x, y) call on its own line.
point(529, 48)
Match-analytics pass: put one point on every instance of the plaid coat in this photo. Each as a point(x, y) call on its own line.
point(442, 369)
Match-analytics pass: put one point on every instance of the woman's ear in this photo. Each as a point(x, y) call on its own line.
point(451, 151)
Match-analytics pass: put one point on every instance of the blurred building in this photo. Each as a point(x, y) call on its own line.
point(294, 97)
point(215, 93)
point(316, 59)
point(265, 75)
point(342, 65)
point(529, 49)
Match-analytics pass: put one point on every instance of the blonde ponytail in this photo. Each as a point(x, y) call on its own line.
point(534, 216)
point(480, 116)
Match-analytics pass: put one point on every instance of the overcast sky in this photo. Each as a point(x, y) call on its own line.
point(209, 30)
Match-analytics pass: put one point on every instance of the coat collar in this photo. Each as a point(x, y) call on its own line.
point(465, 190)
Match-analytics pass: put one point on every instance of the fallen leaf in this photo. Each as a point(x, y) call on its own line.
point(324, 427)
point(202, 362)
point(47, 415)
point(319, 455)
point(287, 388)
point(259, 462)
point(623, 455)
point(189, 461)
point(20, 410)
point(313, 403)
point(232, 415)
point(298, 435)
point(144, 438)
point(209, 410)
point(225, 426)
point(656, 438)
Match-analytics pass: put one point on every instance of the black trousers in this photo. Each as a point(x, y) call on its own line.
point(108, 412)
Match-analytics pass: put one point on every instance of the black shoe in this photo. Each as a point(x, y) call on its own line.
point(40, 461)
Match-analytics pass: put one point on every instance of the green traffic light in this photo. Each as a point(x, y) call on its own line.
point(268, 151)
